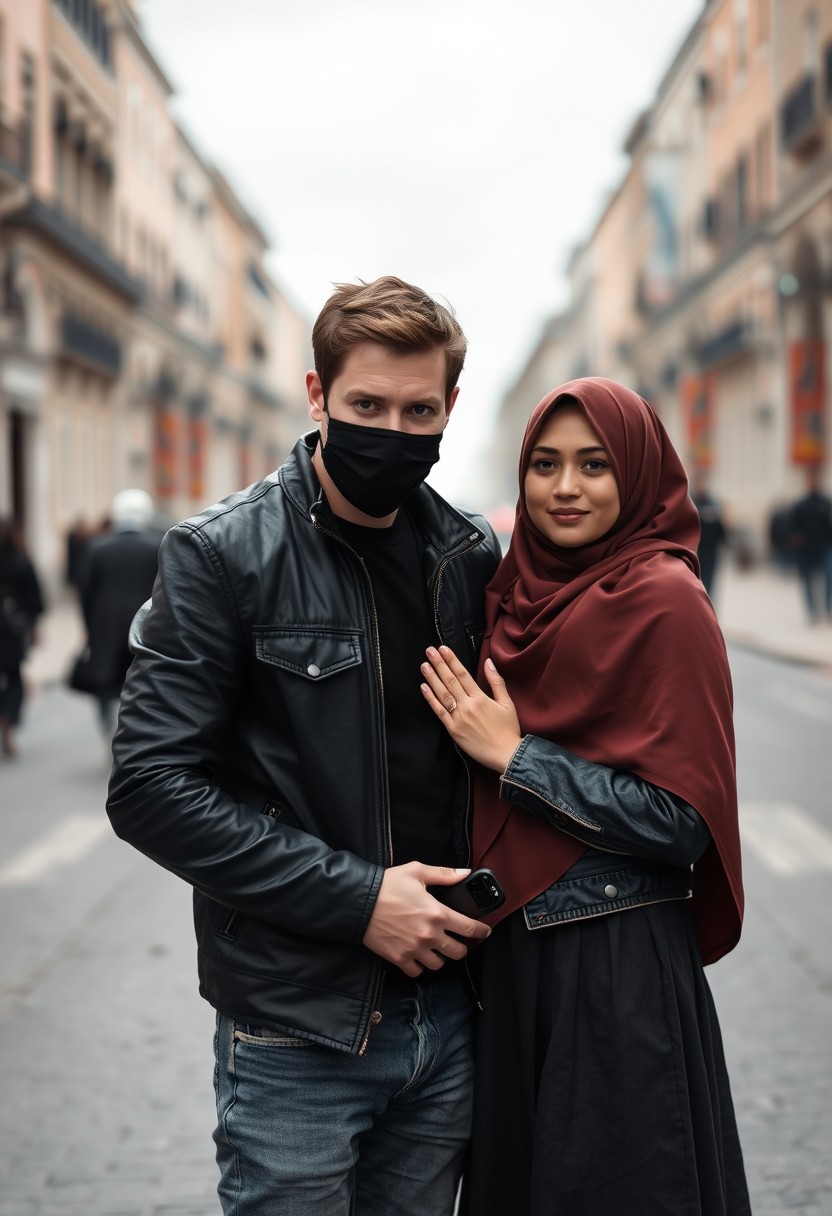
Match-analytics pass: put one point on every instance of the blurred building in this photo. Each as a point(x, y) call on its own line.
point(705, 284)
point(142, 341)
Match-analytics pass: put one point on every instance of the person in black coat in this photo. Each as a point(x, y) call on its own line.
point(713, 533)
point(811, 538)
point(21, 603)
point(117, 577)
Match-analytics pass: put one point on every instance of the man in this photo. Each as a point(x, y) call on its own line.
point(274, 750)
point(117, 573)
point(811, 539)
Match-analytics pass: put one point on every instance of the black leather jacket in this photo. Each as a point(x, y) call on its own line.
point(250, 754)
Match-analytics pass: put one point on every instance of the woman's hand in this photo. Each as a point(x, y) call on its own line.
point(486, 728)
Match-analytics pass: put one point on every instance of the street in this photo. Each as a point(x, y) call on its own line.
point(106, 1046)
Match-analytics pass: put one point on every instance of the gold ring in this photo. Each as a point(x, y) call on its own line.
point(452, 706)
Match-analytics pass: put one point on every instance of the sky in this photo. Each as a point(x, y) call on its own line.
point(466, 147)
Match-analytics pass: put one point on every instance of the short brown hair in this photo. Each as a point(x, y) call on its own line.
point(388, 311)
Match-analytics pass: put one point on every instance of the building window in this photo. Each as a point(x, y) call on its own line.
point(2, 65)
point(87, 19)
point(810, 40)
point(742, 191)
point(27, 111)
point(762, 161)
point(741, 40)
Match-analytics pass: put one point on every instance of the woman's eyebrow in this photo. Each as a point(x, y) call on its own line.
point(580, 451)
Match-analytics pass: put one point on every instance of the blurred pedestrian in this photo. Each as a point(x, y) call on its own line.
point(77, 539)
point(780, 538)
point(117, 576)
point(606, 805)
point(21, 603)
point(811, 539)
point(712, 531)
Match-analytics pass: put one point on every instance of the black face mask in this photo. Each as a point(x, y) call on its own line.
point(375, 468)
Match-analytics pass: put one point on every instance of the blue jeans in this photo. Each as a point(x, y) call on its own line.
point(816, 580)
point(305, 1130)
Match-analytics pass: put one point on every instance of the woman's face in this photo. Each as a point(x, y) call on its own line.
point(571, 495)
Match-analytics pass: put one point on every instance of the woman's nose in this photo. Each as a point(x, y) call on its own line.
point(567, 484)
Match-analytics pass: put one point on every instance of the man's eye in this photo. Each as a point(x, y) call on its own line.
point(421, 411)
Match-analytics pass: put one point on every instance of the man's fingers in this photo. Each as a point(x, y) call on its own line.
point(442, 876)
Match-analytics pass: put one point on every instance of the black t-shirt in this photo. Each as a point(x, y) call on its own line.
point(421, 759)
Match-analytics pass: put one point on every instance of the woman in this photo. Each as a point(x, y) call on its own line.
point(601, 1076)
point(21, 603)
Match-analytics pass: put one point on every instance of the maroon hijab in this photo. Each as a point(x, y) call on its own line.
point(613, 651)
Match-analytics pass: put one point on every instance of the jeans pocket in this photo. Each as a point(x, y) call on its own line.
point(262, 1036)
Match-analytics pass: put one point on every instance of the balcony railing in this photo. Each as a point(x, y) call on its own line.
point(90, 343)
point(15, 151)
point(799, 117)
point(54, 226)
point(730, 342)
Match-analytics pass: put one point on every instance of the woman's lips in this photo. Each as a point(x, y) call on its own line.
point(568, 517)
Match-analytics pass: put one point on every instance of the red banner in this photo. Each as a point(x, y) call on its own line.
point(698, 413)
point(166, 451)
point(807, 396)
point(197, 450)
point(245, 458)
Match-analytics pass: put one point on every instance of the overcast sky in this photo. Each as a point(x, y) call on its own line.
point(465, 146)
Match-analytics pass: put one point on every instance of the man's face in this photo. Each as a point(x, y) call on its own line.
point(378, 387)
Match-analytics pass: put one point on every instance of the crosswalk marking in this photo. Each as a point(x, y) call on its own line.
point(785, 839)
point(798, 698)
point(70, 840)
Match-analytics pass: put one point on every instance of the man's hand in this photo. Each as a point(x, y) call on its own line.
point(410, 928)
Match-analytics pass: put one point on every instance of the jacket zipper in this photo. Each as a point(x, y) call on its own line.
point(473, 539)
point(375, 1015)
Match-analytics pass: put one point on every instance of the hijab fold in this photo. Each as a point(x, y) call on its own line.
point(613, 651)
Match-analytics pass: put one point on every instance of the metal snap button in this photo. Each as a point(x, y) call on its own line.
point(313, 670)
point(610, 891)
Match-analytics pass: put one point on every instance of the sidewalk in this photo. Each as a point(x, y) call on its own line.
point(758, 609)
point(763, 610)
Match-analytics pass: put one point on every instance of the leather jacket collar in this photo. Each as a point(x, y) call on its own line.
point(444, 528)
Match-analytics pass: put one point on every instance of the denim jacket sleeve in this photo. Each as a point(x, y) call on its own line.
point(617, 812)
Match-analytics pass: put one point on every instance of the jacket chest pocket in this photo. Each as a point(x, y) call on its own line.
point(311, 653)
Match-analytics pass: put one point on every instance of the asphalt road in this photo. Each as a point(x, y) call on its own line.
point(105, 1051)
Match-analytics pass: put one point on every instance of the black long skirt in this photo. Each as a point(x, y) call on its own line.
point(601, 1084)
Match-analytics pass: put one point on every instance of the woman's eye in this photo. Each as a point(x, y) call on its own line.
point(596, 466)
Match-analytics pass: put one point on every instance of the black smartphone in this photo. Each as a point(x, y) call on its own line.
point(474, 896)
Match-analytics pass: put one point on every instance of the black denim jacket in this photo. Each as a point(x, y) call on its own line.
point(642, 840)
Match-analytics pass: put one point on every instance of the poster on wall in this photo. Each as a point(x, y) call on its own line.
point(197, 448)
point(244, 457)
point(697, 412)
point(807, 393)
point(165, 449)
